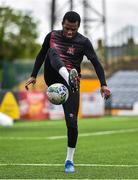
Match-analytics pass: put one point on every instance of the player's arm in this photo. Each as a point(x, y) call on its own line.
point(39, 61)
point(91, 55)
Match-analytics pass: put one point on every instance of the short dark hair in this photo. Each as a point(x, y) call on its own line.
point(72, 16)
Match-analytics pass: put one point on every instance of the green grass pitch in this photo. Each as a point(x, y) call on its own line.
point(107, 149)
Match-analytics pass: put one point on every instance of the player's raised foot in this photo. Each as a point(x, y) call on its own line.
point(73, 80)
point(69, 167)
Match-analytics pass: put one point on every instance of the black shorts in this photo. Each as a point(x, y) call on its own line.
point(51, 76)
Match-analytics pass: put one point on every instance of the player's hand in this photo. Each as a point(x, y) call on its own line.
point(105, 92)
point(31, 80)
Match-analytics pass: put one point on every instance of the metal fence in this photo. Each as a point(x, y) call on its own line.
point(15, 72)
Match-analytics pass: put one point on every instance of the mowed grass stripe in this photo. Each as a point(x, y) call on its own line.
point(99, 133)
point(114, 156)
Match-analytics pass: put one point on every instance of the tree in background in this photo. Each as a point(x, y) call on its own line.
point(18, 35)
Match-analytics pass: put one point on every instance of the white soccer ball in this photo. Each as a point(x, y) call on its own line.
point(57, 93)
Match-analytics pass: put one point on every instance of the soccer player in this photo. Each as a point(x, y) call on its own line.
point(63, 51)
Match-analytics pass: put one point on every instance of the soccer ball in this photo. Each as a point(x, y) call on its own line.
point(57, 93)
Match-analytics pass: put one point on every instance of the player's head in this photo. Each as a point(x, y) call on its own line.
point(71, 22)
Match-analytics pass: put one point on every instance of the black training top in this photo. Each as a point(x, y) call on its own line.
point(71, 52)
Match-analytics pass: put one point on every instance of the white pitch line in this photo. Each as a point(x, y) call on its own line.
point(77, 165)
point(100, 133)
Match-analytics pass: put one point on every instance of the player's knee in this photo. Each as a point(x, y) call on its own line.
point(72, 122)
point(72, 125)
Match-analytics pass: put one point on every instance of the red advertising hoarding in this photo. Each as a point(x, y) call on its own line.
point(33, 105)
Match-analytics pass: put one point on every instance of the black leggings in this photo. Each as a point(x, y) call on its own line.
point(52, 65)
point(71, 107)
